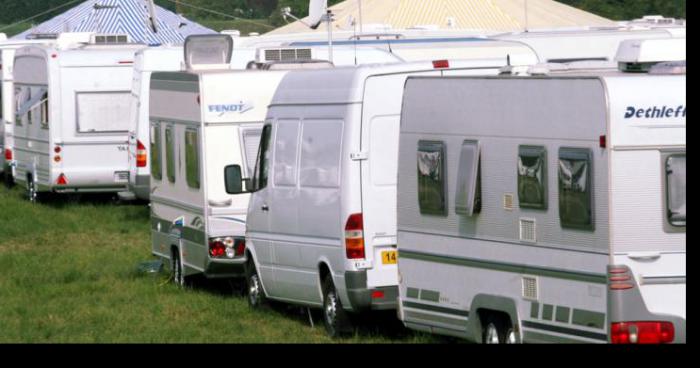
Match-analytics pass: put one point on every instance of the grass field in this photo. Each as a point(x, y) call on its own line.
point(70, 274)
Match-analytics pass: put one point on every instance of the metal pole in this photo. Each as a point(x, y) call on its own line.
point(526, 20)
point(359, 5)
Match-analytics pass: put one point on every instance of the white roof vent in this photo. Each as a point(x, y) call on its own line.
point(286, 54)
point(208, 52)
point(640, 55)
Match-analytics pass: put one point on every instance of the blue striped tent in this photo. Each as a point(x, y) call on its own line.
point(120, 17)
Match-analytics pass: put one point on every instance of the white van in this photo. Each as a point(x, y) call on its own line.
point(72, 117)
point(548, 208)
point(321, 226)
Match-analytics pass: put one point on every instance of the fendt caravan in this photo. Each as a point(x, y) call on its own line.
point(547, 208)
point(205, 125)
point(321, 226)
point(72, 118)
point(7, 95)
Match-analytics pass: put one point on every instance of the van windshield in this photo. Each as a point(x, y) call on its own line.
point(675, 190)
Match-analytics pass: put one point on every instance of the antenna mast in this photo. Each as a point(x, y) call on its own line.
point(359, 5)
point(526, 20)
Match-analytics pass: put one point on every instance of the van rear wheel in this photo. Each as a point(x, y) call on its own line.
point(256, 293)
point(335, 318)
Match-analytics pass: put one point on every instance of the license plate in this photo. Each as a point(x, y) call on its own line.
point(389, 257)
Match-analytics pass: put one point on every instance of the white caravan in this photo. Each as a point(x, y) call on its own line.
point(205, 125)
point(321, 226)
point(146, 62)
point(7, 98)
point(70, 134)
point(548, 208)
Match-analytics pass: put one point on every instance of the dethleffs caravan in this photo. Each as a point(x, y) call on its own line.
point(72, 118)
point(321, 225)
point(548, 208)
point(205, 121)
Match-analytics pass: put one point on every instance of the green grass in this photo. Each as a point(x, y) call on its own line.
point(70, 274)
point(16, 29)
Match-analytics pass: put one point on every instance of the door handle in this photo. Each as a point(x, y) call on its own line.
point(644, 256)
point(265, 208)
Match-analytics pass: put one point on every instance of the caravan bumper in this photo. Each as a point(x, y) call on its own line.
point(225, 268)
point(362, 298)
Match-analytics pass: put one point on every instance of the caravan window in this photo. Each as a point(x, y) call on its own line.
point(21, 100)
point(156, 167)
point(431, 178)
point(170, 154)
point(675, 190)
point(532, 177)
point(251, 143)
point(44, 111)
point(192, 158)
point(103, 112)
point(263, 162)
point(468, 198)
point(286, 143)
point(575, 192)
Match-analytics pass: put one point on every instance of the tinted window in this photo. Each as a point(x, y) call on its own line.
point(156, 168)
point(468, 197)
point(170, 154)
point(286, 142)
point(675, 190)
point(192, 158)
point(431, 177)
point(532, 177)
point(575, 192)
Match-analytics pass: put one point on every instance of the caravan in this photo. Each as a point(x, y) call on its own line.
point(547, 208)
point(72, 117)
point(321, 225)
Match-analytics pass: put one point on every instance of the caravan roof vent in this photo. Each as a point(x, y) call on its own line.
point(103, 39)
point(208, 51)
point(283, 54)
point(640, 55)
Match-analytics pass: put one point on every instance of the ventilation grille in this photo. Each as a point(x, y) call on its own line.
point(527, 230)
point(508, 201)
point(287, 54)
point(110, 39)
point(530, 287)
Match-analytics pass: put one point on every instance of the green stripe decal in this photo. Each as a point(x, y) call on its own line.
point(457, 323)
point(588, 319)
point(429, 295)
point(565, 330)
point(547, 310)
point(562, 314)
point(535, 310)
point(186, 233)
point(506, 267)
point(412, 293)
point(434, 308)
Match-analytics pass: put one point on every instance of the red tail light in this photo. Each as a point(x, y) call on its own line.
point(377, 294)
point(217, 248)
point(62, 180)
point(141, 155)
point(8, 154)
point(441, 64)
point(641, 332)
point(354, 237)
point(239, 247)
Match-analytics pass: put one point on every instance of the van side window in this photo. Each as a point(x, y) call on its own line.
point(468, 198)
point(192, 158)
point(169, 154)
point(263, 162)
point(575, 192)
point(286, 143)
point(675, 190)
point(431, 178)
point(156, 167)
point(532, 177)
point(319, 164)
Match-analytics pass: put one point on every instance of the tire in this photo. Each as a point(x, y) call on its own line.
point(335, 318)
point(255, 294)
point(7, 178)
point(495, 331)
point(510, 336)
point(176, 272)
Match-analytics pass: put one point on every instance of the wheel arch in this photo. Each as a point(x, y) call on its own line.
point(485, 304)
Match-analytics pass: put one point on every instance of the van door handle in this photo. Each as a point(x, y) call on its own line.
point(644, 256)
point(265, 208)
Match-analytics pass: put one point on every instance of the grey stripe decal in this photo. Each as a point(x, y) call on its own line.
point(233, 219)
point(588, 319)
point(659, 280)
point(562, 314)
point(429, 295)
point(540, 337)
point(565, 330)
point(186, 233)
point(506, 267)
point(412, 293)
point(547, 310)
point(177, 204)
point(439, 319)
point(434, 308)
point(175, 86)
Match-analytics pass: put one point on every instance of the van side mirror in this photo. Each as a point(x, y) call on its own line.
point(234, 180)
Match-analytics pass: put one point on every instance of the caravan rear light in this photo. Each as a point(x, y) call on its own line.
point(354, 237)
point(62, 180)
point(57, 159)
point(8, 154)
point(441, 64)
point(141, 155)
point(239, 247)
point(227, 246)
point(57, 149)
point(620, 278)
point(377, 294)
point(217, 247)
point(602, 141)
point(641, 332)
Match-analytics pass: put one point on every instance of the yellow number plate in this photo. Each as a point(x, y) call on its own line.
point(389, 257)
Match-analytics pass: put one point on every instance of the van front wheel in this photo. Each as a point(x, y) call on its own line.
point(335, 318)
point(256, 294)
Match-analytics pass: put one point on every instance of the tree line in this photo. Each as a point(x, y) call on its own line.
point(15, 10)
